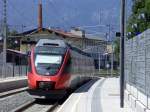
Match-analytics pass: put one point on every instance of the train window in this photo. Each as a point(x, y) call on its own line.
point(50, 50)
point(47, 64)
point(29, 66)
point(52, 59)
point(50, 44)
point(68, 66)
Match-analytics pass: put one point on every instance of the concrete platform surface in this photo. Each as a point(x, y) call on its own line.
point(100, 96)
point(8, 79)
point(7, 84)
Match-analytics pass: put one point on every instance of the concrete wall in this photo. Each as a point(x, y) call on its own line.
point(137, 101)
point(137, 72)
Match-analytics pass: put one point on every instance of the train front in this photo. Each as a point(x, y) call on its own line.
point(46, 76)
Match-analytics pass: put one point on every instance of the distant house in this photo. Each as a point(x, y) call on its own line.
point(75, 37)
point(90, 44)
point(29, 38)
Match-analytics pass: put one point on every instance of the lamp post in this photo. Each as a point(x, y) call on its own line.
point(122, 53)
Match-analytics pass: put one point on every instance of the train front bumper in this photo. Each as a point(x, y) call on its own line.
point(47, 94)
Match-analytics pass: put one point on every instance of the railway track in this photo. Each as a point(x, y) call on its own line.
point(21, 101)
point(38, 106)
point(12, 92)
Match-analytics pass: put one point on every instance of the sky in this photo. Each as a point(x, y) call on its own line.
point(65, 14)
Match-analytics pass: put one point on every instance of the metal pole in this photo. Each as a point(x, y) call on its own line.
point(40, 19)
point(107, 66)
point(107, 49)
point(13, 65)
point(4, 35)
point(22, 27)
point(122, 54)
point(4, 31)
point(99, 62)
point(112, 60)
point(109, 32)
point(83, 39)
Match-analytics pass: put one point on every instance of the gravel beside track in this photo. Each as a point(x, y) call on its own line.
point(9, 103)
point(17, 101)
point(39, 105)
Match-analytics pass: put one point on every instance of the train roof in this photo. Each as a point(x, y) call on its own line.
point(50, 42)
point(59, 43)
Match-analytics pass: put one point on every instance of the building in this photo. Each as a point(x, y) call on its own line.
point(29, 38)
point(76, 37)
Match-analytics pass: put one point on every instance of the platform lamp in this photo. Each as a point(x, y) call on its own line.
point(122, 29)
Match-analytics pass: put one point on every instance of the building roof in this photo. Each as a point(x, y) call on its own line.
point(95, 37)
point(33, 31)
point(59, 32)
point(16, 52)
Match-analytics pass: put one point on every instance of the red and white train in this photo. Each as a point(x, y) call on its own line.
point(55, 66)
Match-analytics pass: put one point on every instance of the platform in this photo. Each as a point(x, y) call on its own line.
point(7, 84)
point(101, 96)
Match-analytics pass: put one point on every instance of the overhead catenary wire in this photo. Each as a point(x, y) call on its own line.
point(66, 21)
point(57, 12)
point(30, 21)
point(97, 25)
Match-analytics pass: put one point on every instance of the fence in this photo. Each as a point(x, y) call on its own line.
point(106, 64)
point(15, 66)
point(11, 70)
point(137, 67)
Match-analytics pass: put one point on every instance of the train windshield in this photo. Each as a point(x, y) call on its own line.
point(47, 64)
point(48, 59)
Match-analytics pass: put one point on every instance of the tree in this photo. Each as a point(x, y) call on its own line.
point(117, 49)
point(12, 43)
point(139, 20)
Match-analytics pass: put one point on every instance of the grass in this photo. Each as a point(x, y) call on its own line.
point(107, 72)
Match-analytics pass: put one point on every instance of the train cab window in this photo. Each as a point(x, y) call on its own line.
point(47, 64)
point(51, 59)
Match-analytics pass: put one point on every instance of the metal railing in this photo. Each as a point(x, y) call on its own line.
point(11, 70)
point(15, 66)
